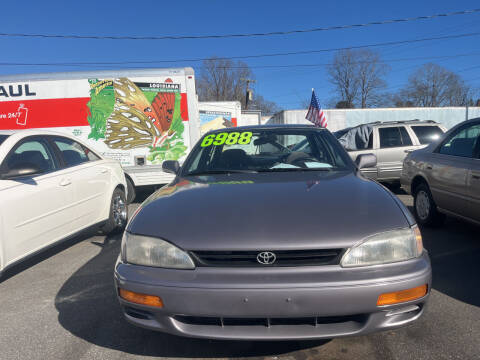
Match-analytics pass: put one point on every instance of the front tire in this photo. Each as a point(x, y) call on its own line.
point(424, 207)
point(130, 191)
point(117, 219)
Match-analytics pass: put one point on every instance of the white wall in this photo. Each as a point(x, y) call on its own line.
point(342, 118)
point(249, 118)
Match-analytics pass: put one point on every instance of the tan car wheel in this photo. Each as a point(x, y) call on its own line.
point(424, 207)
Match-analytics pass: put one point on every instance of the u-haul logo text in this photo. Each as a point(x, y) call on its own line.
point(16, 90)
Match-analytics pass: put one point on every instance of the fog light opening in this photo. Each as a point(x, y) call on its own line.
point(138, 314)
point(403, 310)
point(398, 297)
point(142, 299)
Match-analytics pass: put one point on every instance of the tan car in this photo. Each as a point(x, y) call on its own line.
point(444, 177)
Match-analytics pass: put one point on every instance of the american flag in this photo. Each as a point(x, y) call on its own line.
point(315, 113)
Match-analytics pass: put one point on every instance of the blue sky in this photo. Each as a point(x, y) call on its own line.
point(289, 87)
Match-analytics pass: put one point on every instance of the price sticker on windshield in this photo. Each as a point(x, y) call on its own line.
point(227, 138)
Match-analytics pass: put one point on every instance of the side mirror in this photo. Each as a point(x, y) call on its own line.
point(366, 161)
point(171, 167)
point(21, 171)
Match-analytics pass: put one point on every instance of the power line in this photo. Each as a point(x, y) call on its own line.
point(469, 68)
point(222, 36)
point(389, 43)
point(391, 88)
point(445, 30)
point(392, 60)
point(354, 62)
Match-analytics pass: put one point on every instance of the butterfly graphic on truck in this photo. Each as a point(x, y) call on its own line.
point(135, 122)
point(129, 117)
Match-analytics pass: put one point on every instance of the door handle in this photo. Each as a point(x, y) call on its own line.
point(429, 167)
point(407, 151)
point(476, 177)
point(103, 171)
point(65, 182)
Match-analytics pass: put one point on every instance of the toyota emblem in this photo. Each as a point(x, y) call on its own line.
point(266, 258)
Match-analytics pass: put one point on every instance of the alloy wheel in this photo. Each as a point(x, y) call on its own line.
point(119, 210)
point(422, 205)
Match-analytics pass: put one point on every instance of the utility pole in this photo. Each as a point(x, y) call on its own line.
point(248, 92)
point(466, 107)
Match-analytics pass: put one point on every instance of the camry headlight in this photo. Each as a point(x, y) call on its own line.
point(150, 251)
point(383, 248)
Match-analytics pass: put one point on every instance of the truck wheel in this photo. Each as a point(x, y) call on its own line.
point(424, 207)
point(118, 213)
point(130, 191)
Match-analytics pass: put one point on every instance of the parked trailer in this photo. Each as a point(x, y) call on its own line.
point(250, 117)
point(138, 117)
point(215, 115)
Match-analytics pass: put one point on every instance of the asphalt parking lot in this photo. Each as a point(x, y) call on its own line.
point(61, 304)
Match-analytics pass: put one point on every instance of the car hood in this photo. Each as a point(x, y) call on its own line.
point(269, 211)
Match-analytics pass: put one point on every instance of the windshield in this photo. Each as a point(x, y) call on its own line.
point(266, 150)
point(2, 138)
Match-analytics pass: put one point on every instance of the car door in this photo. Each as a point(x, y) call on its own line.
point(394, 144)
point(451, 171)
point(473, 182)
point(90, 178)
point(36, 210)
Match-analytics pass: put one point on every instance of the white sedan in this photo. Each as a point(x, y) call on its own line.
point(51, 187)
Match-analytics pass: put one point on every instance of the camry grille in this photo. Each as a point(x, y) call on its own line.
point(272, 322)
point(257, 258)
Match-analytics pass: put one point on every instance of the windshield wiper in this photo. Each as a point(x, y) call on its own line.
point(295, 169)
point(227, 171)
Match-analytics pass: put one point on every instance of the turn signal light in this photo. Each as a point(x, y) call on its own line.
point(150, 300)
point(418, 238)
point(402, 296)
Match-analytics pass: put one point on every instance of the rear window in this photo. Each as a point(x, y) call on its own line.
point(394, 137)
point(74, 153)
point(427, 134)
point(2, 138)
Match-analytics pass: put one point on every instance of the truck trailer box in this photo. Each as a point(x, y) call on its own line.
point(215, 115)
point(138, 117)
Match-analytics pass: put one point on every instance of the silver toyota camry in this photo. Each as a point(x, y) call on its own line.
point(258, 238)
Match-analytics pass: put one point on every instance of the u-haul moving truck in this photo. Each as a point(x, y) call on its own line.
point(138, 117)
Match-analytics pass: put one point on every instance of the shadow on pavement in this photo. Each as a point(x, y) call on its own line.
point(395, 188)
point(47, 253)
point(454, 250)
point(88, 308)
point(143, 192)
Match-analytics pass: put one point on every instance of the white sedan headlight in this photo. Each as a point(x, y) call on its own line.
point(388, 247)
point(150, 251)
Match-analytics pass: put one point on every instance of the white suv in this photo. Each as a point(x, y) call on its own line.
point(390, 142)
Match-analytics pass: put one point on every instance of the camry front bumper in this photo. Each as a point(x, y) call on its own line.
point(273, 303)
